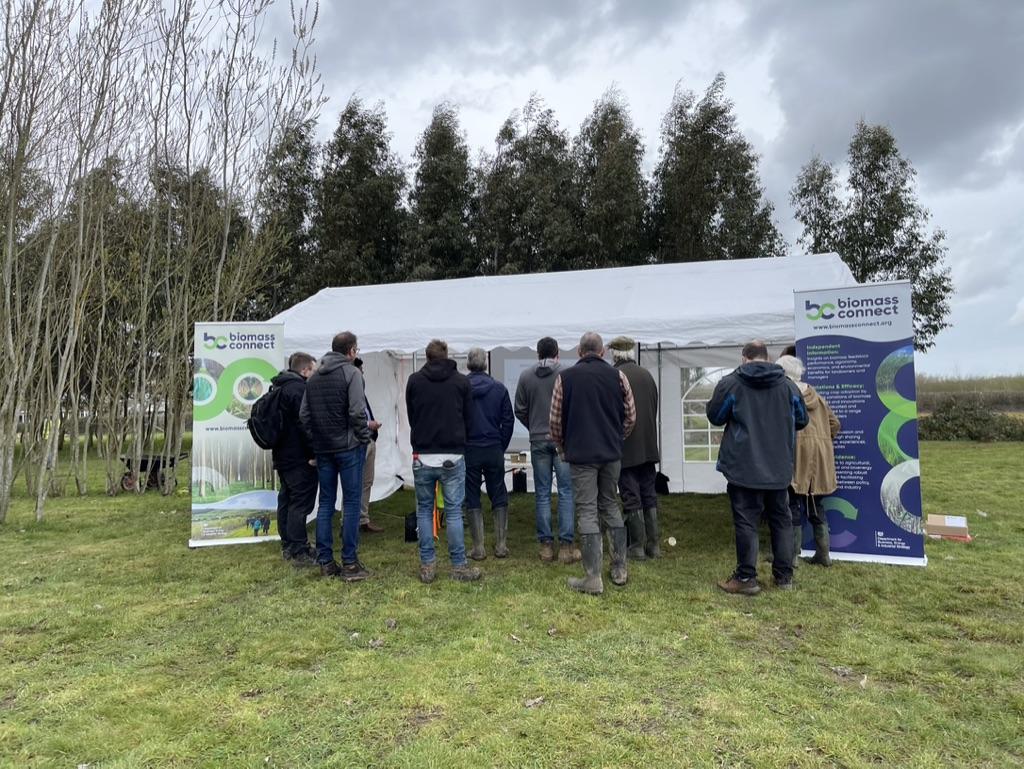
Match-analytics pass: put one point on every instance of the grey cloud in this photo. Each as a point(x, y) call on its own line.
point(945, 76)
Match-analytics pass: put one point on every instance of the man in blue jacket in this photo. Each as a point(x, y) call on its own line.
point(490, 430)
point(761, 409)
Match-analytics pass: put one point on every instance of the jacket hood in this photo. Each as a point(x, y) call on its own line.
point(547, 367)
point(286, 376)
point(760, 374)
point(439, 370)
point(482, 383)
point(332, 361)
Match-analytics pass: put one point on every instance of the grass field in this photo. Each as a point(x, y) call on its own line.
point(119, 647)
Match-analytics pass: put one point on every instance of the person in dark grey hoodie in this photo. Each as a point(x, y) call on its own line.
point(761, 410)
point(533, 410)
point(333, 414)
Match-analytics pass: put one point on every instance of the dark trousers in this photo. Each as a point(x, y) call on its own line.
point(801, 505)
point(295, 500)
point(486, 465)
point(636, 487)
point(748, 505)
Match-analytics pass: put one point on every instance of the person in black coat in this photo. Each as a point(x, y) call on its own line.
point(293, 461)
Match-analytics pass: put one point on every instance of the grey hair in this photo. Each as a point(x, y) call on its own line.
point(622, 355)
point(476, 359)
point(793, 366)
point(591, 342)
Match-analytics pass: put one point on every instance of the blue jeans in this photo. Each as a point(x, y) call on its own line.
point(453, 488)
point(348, 465)
point(544, 458)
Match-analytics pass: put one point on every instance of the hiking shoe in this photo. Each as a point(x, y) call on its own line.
point(568, 553)
point(466, 573)
point(354, 572)
point(428, 571)
point(740, 586)
point(331, 569)
point(303, 560)
point(547, 552)
point(783, 584)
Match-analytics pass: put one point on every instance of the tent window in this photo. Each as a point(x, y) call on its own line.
point(701, 439)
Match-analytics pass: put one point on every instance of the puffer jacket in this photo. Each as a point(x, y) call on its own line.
point(333, 412)
point(815, 471)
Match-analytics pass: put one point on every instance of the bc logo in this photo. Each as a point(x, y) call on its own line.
point(824, 311)
point(214, 342)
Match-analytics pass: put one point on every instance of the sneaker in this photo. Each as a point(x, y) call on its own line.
point(371, 528)
point(783, 584)
point(466, 573)
point(428, 571)
point(303, 560)
point(354, 572)
point(568, 553)
point(740, 586)
point(547, 552)
point(331, 569)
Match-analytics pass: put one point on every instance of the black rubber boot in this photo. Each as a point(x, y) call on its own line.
point(821, 546)
point(475, 519)
point(636, 535)
point(593, 554)
point(652, 546)
point(618, 569)
point(501, 532)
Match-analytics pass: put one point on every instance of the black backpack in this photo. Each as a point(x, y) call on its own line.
point(265, 422)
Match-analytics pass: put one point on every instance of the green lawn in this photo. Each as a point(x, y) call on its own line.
point(119, 647)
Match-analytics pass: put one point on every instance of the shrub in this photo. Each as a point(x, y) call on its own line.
point(969, 419)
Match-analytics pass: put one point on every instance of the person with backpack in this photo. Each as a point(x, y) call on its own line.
point(294, 463)
point(333, 414)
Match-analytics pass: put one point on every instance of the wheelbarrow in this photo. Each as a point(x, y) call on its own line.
point(152, 467)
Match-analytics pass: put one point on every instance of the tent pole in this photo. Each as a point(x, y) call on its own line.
point(660, 410)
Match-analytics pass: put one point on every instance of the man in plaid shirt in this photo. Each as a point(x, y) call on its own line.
point(592, 412)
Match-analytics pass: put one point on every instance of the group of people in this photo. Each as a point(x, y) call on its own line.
point(593, 433)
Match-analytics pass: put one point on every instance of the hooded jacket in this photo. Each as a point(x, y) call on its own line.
point(439, 401)
point(491, 419)
point(292, 449)
point(333, 412)
point(533, 398)
point(761, 410)
point(815, 471)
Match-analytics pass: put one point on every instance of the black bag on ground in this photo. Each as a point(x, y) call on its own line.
point(265, 421)
point(410, 528)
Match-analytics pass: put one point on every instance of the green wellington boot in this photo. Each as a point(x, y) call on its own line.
point(636, 536)
point(821, 556)
point(501, 532)
point(475, 519)
point(618, 569)
point(593, 554)
point(652, 547)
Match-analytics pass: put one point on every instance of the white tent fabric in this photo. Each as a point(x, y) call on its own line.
point(714, 304)
point(693, 314)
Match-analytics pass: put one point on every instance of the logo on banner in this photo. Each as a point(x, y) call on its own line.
point(239, 341)
point(850, 308)
point(214, 342)
point(819, 311)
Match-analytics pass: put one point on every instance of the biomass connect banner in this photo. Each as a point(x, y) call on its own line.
point(233, 496)
point(858, 345)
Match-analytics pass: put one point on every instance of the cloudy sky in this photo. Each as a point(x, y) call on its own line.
point(947, 77)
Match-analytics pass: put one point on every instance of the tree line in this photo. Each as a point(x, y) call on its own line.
point(159, 166)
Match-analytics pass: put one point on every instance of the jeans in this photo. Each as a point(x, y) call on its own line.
point(636, 485)
point(490, 463)
point(593, 491)
point(295, 500)
point(544, 458)
point(748, 505)
point(348, 465)
point(453, 487)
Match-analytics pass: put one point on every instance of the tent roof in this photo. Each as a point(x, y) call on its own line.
point(724, 303)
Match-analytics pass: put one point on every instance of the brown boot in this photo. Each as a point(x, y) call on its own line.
point(466, 573)
point(428, 572)
point(547, 552)
point(740, 586)
point(568, 553)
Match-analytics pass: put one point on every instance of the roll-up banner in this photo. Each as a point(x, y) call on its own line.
point(858, 346)
point(233, 496)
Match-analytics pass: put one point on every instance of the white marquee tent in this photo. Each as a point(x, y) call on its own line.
point(685, 317)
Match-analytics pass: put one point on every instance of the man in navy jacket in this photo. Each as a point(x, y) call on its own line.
point(490, 429)
point(761, 409)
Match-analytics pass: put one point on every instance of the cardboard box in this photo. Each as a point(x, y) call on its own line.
point(947, 526)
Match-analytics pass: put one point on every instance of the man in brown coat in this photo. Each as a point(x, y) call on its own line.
point(814, 472)
point(639, 455)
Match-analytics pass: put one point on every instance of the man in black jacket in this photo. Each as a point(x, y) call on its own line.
point(293, 461)
point(438, 400)
point(762, 410)
point(333, 414)
point(592, 413)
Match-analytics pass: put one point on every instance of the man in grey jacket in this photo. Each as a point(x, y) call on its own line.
point(533, 409)
point(333, 415)
point(761, 410)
